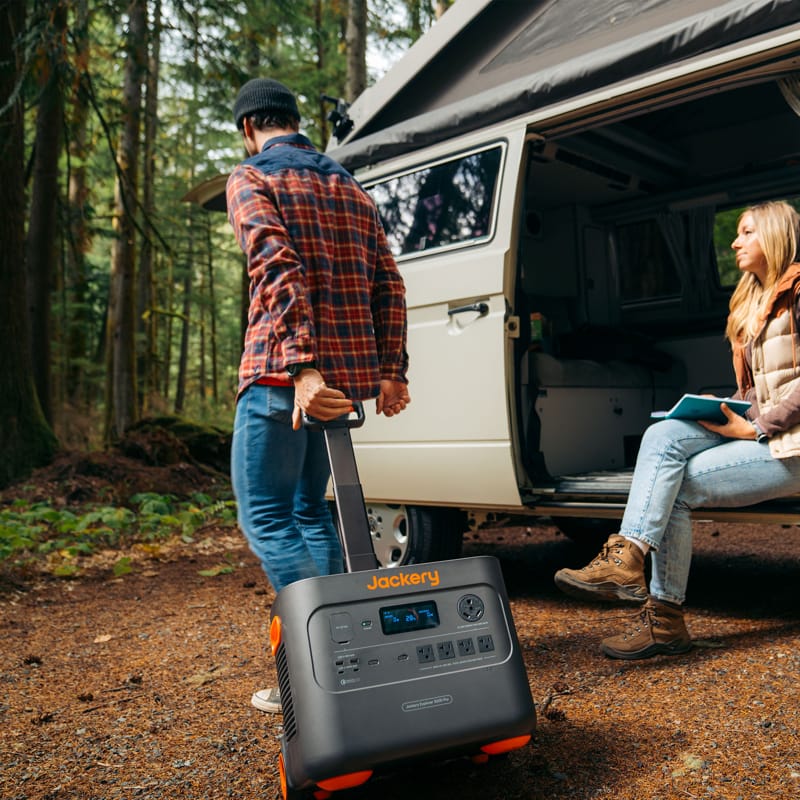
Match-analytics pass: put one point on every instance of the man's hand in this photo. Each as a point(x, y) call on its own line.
point(393, 398)
point(737, 427)
point(316, 399)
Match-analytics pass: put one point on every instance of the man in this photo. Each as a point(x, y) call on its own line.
point(326, 325)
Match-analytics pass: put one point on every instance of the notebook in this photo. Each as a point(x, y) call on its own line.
point(697, 406)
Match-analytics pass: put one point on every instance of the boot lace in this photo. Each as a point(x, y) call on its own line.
point(606, 554)
point(645, 617)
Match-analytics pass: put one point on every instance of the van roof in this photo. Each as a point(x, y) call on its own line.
point(486, 61)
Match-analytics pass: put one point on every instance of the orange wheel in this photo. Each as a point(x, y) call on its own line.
point(506, 745)
point(275, 634)
point(282, 771)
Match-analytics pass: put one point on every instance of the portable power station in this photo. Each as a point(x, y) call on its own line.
point(377, 667)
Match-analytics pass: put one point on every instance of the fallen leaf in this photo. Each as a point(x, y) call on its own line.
point(103, 637)
point(220, 569)
point(122, 567)
point(153, 550)
point(202, 678)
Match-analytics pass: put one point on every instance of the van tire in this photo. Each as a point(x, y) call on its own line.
point(413, 534)
point(449, 525)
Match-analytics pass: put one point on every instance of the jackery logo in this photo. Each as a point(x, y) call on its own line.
point(396, 580)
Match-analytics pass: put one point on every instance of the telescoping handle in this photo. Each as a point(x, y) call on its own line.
point(351, 512)
point(345, 421)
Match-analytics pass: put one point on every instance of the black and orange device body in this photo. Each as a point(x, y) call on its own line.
point(378, 667)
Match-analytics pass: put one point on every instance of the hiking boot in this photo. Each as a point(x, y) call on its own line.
point(658, 628)
point(268, 700)
point(616, 573)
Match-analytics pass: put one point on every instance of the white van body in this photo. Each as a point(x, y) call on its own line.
point(548, 320)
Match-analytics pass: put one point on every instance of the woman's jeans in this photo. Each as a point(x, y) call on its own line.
point(682, 466)
point(279, 478)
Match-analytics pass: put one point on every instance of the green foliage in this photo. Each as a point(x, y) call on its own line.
point(31, 531)
point(122, 567)
point(208, 48)
point(219, 569)
point(725, 225)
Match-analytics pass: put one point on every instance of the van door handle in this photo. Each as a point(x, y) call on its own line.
point(479, 308)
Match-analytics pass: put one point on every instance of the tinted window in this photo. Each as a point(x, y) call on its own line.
point(448, 203)
point(647, 270)
point(725, 225)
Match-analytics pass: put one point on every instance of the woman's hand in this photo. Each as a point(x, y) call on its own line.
point(736, 427)
point(316, 399)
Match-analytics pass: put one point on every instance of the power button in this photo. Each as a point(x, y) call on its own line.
point(341, 627)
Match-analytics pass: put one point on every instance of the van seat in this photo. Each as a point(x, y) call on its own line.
point(547, 370)
point(583, 415)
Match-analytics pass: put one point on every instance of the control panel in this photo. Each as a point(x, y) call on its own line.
point(408, 637)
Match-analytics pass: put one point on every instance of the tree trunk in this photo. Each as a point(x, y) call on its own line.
point(202, 305)
point(356, 42)
point(77, 230)
point(26, 440)
point(183, 358)
point(41, 251)
point(253, 59)
point(169, 304)
point(146, 320)
point(441, 6)
point(415, 18)
point(212, 310)
point(320, 65)
point(121, 376)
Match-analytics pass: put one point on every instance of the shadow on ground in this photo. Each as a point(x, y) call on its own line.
point(738, 577)
point(535, 773)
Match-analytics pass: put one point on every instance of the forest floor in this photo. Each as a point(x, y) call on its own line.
point(138, 686)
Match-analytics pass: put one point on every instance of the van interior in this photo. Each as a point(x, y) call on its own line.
point(625, 268)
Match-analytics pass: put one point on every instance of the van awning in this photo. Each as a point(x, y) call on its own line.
point(496, 60)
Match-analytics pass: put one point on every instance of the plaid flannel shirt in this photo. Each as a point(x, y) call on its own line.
point(323, 283)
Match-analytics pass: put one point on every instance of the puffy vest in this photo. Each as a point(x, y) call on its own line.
point(776, 367)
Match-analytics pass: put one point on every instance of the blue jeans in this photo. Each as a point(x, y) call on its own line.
point(682, 466)
point(279, 479)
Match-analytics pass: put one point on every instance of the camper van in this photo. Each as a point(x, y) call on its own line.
point(560, 183)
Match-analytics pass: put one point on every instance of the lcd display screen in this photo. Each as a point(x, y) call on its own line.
point(409, 617)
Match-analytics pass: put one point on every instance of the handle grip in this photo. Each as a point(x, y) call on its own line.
point(479, 308)
point(345, 421)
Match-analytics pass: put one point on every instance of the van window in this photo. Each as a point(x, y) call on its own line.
point(443, 204)
point(646, 267)
point(725, 225)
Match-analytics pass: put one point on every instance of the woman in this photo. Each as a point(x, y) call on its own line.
point(683, 465)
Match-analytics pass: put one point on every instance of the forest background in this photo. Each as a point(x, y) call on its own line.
point(118, 300)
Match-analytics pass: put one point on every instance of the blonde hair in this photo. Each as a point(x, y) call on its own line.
point(778, 228)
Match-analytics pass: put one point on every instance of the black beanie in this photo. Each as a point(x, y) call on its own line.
point(266, 96)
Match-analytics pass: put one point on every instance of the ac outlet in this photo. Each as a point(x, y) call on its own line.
point(466, 647)
point(485, 644)
point(445, 650)
point(425, 653)
point(470, 607)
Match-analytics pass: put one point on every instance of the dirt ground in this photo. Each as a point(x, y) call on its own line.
point(139, 686)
